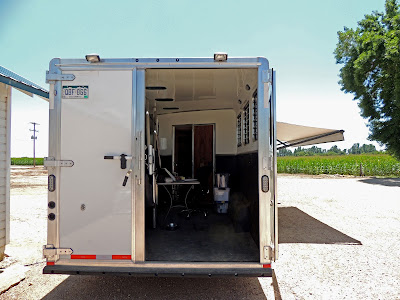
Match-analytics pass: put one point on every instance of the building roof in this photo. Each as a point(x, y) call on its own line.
point(22, 84)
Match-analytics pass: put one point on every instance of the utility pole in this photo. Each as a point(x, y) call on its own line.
point(34, 138)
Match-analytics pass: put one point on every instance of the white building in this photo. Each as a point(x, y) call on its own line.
point(9, 80)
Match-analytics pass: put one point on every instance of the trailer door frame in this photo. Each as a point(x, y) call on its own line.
point(268, 215)
point(138, 167)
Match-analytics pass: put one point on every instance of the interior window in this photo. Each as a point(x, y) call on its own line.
point(255, 116)
point(246, 123)
point(239, 130)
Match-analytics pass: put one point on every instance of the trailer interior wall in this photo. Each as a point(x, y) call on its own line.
point(216, 97)
point(5, 118)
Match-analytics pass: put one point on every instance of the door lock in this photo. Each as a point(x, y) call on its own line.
point(123, 158)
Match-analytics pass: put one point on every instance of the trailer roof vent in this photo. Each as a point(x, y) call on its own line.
point(93, 58)
point(220, 56)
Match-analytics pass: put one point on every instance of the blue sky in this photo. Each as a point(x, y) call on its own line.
point(297, 37)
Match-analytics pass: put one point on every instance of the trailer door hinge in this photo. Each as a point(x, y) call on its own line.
point(51, 162)
point(49, 251)
point(59, 77)
point(268, 253)
point(266, 76)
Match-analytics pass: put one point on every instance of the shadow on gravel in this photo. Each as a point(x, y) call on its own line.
point(295, 226)
point(382, 181)
point(118, 287)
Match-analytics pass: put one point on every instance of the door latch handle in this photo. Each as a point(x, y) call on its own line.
point(126, 177)
point(123, 161)
point(123, 158)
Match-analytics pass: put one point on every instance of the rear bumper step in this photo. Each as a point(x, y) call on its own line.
point(157, 272)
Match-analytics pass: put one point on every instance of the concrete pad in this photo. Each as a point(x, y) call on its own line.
point(11, 276)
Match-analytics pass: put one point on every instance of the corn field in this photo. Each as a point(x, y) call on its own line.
point(26, 161)
point(358, 165)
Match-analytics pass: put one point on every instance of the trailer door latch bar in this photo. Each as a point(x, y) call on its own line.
point(59, 77)
point(51, 162)
point(50, 251)
point(122, 157)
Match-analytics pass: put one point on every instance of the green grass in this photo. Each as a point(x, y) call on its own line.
point(26, 161)
point(372, 165)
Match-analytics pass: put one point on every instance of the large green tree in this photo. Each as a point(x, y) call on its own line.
point(370, 55)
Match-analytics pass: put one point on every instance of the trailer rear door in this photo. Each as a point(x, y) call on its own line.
point(96, 121)
point(267, 171)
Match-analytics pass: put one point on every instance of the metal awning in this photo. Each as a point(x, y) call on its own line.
point(23, 85)
point(290, 135)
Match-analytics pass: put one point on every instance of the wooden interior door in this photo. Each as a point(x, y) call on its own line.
point(204, 155)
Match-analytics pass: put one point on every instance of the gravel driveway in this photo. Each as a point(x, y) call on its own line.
point(339, 238)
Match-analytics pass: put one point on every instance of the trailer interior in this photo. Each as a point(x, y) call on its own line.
point(202, 122)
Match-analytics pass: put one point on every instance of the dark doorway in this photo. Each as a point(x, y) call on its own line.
point(194, 154)
point(183, 150)
point(204, 157)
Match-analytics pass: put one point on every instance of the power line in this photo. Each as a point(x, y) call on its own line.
point(34, 138)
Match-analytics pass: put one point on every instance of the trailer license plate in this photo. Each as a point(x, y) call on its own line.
point(75, 92)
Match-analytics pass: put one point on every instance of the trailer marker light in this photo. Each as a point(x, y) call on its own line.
point(164, 99)
point(101, 257)
point(50, 263)
point(265, 183)
point(121, 257)
point(51, 183)
point(93, 58)
point(267, 266)
point(220, 56)
point(74, 256)
point(155, 88)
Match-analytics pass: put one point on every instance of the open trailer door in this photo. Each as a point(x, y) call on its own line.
point(92, 129)
point(267, 166)
point(96, 126)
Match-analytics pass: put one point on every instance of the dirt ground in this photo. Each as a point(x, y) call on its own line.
point(339, 238)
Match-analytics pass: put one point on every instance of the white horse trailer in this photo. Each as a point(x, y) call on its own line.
point(137, 150)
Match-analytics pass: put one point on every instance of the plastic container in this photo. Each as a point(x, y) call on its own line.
point(221, 194)
point(221, 199)
point(221, 180)
point(222, 207)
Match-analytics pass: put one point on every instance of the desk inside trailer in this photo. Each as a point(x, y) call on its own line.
point(188, 182)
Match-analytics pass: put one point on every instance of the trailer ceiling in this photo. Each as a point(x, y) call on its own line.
point(199, 89)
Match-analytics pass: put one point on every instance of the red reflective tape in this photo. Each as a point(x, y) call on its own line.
point(267, 266)
point(83, 256)
point(121, 257)
point(50, 263)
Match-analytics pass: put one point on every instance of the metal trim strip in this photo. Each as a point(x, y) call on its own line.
point(156, 272)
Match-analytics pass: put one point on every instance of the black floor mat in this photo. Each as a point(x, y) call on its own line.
point(200, 239)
